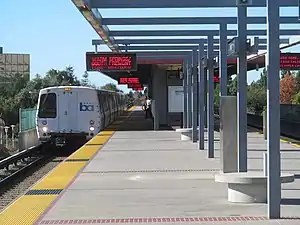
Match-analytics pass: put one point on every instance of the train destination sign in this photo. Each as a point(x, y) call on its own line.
point(216, 79)
point(111, 61)
point(134, 85)
point(290, 61)
point(129, 80)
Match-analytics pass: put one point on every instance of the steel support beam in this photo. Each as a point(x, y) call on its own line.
point(152, 33)
point(94, 17)
point(223, 60)
point(273, 111)
point(167, 53)
point(189, 92)
point(202, 95)
point(210, 99)
point(242, 90)
point(185, 94)
point(107, 4)
point(190, 20)
point(173, 47)
point(195, 104)
point(173, 41)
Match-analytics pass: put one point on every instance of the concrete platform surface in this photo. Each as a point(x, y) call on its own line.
point(151, 177)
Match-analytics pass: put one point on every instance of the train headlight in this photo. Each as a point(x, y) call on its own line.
point(45, 129)
point(92, 122)
point(92, 128)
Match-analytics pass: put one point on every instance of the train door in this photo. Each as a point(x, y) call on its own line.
point(68, 111)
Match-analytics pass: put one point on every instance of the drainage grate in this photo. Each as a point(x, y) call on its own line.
point(155, 171)
point(77, 160)
point(44, 192)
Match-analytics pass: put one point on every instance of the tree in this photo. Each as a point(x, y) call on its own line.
point(232, 86)
point(297, 81)
point(130, 98)
point(85, 79)
point(287, 88)
point(257, 99)
point(296, 98)
point(64, 77)
point(17, 92)
point(110, 87)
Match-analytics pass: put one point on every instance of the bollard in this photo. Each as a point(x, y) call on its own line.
point(265, 163)
point(228, 134)
point(265, 124)
point(155, 115)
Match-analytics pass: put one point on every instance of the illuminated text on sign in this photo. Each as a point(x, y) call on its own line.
point(115, 62)
point(290, 61)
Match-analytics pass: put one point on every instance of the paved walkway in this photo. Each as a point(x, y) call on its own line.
point(151, 177)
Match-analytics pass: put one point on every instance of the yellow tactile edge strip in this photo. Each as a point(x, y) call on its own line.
point(282, 139)
point(28, 208)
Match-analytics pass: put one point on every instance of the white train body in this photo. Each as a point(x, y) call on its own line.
point(72, 112)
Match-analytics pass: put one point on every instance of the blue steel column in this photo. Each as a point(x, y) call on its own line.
point(242, 90)
point(184, 94)
point(189, 94)
point(273, 110)
point(210, 98)
point(223, 60)
point(195, 104)
point(205, 97)
point(201, 95)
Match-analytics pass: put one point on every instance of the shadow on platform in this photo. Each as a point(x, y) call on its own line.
point(135, 122)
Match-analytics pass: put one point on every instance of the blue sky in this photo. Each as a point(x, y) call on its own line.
point(57, 35)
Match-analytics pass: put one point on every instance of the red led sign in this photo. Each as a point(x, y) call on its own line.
point(129, 80)
point(135, 85)
point(290, 61)
point(216, 79)
point(111, 61)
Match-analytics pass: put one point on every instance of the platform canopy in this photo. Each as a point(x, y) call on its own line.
point(153, 46)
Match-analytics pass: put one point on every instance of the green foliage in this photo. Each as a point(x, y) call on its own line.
point(110, 87)
point(257, 99)
point(17, 92)
point(257, 94)
point(130, 98)
point(217, 95)
point(296, 98)
point(232, 87)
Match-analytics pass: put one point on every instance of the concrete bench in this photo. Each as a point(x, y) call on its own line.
point(249, 187)
point(186, 133)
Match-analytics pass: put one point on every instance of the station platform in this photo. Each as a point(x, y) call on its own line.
point(130, 174)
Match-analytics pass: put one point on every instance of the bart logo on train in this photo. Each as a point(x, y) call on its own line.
point(86, 107)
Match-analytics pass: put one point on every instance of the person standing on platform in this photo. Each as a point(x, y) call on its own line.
point(148, 108)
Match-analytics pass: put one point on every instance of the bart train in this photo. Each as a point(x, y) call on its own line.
point(70, 113)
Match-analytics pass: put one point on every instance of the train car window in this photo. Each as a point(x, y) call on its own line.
point(107, 101)
point(104, 101)
point(100, 101)
point(113, 100)
point(110, 101)
point(47, 107)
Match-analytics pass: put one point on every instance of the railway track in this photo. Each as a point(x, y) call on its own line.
point(22, 170)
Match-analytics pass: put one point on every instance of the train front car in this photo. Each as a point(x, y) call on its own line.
point(67, 114)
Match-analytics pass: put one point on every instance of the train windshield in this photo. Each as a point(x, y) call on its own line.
point(47, 107)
